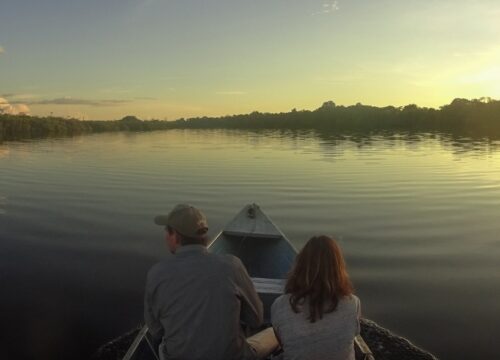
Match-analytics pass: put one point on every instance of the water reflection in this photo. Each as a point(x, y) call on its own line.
point(4, 151)
point(417, 215)
point(3, 203)
point(458, 143)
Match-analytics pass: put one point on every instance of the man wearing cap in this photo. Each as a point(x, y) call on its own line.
point(195, 300)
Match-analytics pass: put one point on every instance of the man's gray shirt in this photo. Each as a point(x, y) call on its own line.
point(195, 300)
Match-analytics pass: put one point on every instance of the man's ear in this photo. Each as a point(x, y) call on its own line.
point(173, 241)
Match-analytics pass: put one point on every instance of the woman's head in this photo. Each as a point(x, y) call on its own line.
point(319, 277)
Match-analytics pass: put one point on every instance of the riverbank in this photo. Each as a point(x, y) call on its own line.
point(472, 118)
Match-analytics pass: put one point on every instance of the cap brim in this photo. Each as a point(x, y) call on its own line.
point(161, 220)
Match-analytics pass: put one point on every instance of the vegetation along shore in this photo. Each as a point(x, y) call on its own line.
point(474, 118)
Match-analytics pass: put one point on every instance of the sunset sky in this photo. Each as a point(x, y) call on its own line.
point(104, 59)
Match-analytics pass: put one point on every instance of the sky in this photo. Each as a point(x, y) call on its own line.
point(167, 59)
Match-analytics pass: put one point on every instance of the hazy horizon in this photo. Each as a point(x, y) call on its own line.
point(314, 108)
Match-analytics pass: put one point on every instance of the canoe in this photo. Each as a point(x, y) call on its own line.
point(268, 257)
point(264, 250)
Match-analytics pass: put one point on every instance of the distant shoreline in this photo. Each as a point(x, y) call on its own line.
point(474, 118)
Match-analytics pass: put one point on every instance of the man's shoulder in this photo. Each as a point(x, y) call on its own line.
point(228, 261)
point(159, 268)
point(224, 262)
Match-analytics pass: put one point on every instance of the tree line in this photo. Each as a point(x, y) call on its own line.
point(477, 117)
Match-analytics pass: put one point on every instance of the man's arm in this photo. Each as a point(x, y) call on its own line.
point(252, 310)
point(152, 321)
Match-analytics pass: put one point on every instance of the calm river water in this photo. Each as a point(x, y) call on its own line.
point(418, 218)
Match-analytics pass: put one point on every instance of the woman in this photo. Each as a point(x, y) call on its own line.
point(318, 316)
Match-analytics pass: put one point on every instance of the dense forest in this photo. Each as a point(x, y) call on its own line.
point(475, 118)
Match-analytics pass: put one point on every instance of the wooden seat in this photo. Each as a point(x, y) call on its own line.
point(269, 286)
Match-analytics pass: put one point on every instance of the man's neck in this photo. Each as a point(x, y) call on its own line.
point(191, 248)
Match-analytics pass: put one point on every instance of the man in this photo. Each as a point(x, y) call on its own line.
point(195, 300)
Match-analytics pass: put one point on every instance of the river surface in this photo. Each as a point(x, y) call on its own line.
point(418, 218)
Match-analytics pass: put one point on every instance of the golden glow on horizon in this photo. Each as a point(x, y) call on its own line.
point(283, 56)
point(433, 85)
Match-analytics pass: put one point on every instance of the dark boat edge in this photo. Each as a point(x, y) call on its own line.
point(384, 344)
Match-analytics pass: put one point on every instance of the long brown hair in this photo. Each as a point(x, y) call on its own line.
point(318, 276)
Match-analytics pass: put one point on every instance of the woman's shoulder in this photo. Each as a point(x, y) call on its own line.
point(280, 301)
point(280, 304)
point(350, 299)
point(353, 298)
point(349, 304)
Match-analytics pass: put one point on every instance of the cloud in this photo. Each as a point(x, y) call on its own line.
point(348, 77)
point(328, 7)
point(471, 67)
point(12, 109)
point(486, 75)
point(116, 90)
point(76, 101)
point(13, 98)
point(145, 98)
point(234, 92)
point(2, 50)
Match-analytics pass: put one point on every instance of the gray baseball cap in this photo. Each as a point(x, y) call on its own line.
point(186, 219)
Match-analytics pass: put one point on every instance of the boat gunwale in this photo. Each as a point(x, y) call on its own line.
point(259, 235)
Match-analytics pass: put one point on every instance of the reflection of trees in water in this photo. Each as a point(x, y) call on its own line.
point(461, 145)
point(4, 152)
point(334, 143)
